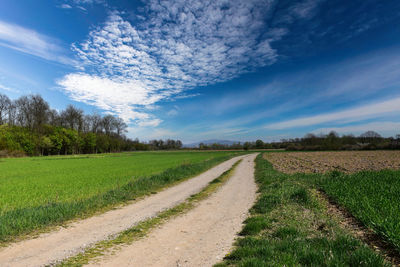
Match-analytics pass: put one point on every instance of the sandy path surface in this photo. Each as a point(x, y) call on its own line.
point(201, 237)
point(65, 242)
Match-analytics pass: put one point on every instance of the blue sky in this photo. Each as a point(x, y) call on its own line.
point(197, 70)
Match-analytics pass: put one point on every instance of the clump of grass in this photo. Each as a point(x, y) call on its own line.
point(254, 225)
point(373, 197)
point(290, 227)
point(286, 232)
point(24, 218)
point(267, 203)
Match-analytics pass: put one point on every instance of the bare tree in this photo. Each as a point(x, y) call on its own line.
point(24, 112)
point(5, 103)
point(86, 125)
point(12, 113)
point(54, 118)
point(40, 109)
point(95, 123)
point(72, 118)
point(120, 126)
point(370, 134)
point(108, 123)
point(32, 111)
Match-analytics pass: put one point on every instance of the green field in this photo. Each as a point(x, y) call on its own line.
point(290, 226)
point(373, 197)
point(40, 191)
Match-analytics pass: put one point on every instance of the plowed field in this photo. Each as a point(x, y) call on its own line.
point(344, 161)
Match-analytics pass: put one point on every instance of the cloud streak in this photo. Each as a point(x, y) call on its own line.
point(33, 43)
point(65, 6)
point(349, 115)
point(5, 88)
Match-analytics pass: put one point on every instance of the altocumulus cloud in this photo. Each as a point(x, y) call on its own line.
point(127, 68)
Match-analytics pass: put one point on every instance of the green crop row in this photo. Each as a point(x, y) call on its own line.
point(373, 197)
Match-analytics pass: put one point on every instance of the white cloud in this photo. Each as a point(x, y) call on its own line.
point(9, 89)
point(31, 42)
point(66, 6)
point(180, 45)
point(88, 2)
point(115, 96)
point(83, 1)
point(184, 95)
point(305, 9)
point(172, 113)
point(81, 8)
point(150, 123)
point(350, 115)
point(82, 4)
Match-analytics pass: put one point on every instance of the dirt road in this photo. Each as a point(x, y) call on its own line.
point(201, 237)
point(65, 242)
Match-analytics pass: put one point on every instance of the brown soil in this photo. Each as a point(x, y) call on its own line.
point(345, 161)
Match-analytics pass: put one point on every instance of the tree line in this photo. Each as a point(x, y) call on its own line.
point(369, 140)
point(29, 126)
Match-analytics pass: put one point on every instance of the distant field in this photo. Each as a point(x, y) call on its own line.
point(39, 191)
point(344, 161)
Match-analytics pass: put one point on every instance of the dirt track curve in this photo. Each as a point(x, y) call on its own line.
point(65, 242)
point(201, 237)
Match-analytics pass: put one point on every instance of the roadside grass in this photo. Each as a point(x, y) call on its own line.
point(373, 197)
point(28, 196)
point(112, 245)
point(289, 226)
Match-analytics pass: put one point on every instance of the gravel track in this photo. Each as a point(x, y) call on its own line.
point(57, 245)
point(200, 237)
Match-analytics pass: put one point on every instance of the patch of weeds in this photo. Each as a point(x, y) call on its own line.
point(301, 196)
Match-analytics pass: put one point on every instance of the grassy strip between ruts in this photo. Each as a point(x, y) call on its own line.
point(143, 228)
point(22, 222)
point(371, 197)
point(289, 226)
